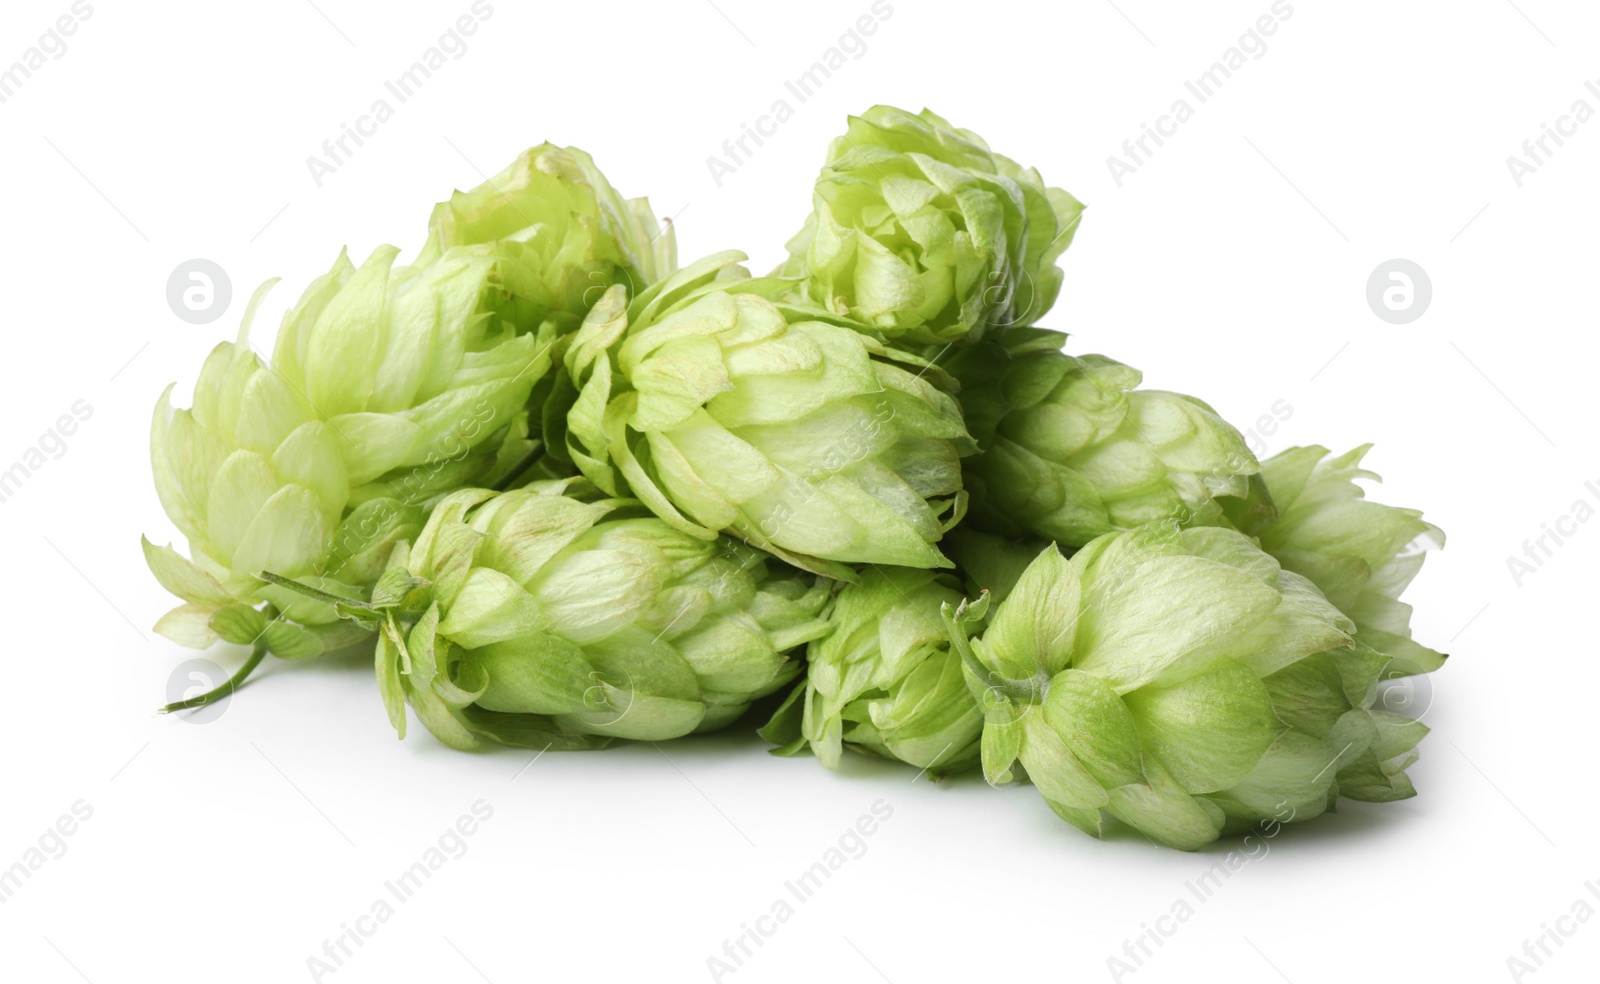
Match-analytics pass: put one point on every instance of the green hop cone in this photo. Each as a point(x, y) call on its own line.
point(724, 410)
point(1073, 449)
point(254, 480)
point(534, 618)
point(559, 235)
point(1358, 552)
point(388, 387)
point(414, 375)
point(885, 679)
point(920, 231)
point(1184, 683)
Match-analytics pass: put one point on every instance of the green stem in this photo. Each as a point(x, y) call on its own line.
point(310, 592)
point(1028, 691)
point(257, 654)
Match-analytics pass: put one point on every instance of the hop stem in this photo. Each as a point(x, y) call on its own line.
point(257, 654)
point(1029, 691)
point(310, 592)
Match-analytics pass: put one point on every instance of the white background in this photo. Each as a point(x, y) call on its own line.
point(1232, 265)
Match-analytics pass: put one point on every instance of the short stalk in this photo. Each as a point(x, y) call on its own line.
point(257, 654)
point(1028, 691)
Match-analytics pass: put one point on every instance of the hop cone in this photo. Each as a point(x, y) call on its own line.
point(1184, 683)
point(1358, 552)
point(533, 618)
point(725, 411)
point(388, 386)
point(885, 679)
point(1073, 449)
point(921, 232)
point(559, 235)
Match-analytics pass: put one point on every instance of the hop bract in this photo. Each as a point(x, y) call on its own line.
point(726, 411)
point(1361, 554)
point(534, 618)
point(1184, 683)
point(885, 679)
point(921, 232)
point(388, 387)
point(1073, 449)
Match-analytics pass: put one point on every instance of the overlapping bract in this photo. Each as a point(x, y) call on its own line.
point(885, 679)
point(1072, 448)
point(726, 411)
point(921, 232)
point(1184, 683)
point(1361, 554)
point(534, 617)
